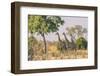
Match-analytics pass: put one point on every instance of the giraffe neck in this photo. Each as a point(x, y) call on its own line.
point(58, 37)
point(66, 37)
point(72, 41)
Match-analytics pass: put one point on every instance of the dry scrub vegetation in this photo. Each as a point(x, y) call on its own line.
point(55, 54)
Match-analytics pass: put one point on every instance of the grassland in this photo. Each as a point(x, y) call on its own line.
point(54, 53)
point(79, 54)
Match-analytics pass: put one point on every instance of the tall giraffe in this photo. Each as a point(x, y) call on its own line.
point(62, 44)
point(70, 45)
point(67, 41)
point(73, 44)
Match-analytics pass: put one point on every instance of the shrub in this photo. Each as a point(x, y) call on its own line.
point(81, 43)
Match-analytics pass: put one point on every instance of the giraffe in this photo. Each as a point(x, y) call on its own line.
point(70, 45)
point(67, 41)
point(73, 44)
point(62, 44)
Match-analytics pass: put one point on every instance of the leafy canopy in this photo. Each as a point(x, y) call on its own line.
point(44, 24)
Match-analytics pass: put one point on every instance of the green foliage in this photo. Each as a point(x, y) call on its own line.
point(44, 24)
point(36, 24)
point(81, 43)
point(53, 22)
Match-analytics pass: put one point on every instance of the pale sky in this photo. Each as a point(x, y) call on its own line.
point(68, 22)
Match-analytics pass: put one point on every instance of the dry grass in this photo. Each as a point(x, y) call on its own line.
point(69, 54)
point(54, 53)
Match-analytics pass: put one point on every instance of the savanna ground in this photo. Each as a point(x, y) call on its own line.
point(53, 53)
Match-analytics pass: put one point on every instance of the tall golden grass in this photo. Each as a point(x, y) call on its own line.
point(53, 53)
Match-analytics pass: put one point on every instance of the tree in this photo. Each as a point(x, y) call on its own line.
point(71, 32)
point(76, 31)
point(80, 31)
point(81, 43)
point(43, 25)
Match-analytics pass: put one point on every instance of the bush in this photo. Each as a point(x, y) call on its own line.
point(31, 43)
point(81, 43)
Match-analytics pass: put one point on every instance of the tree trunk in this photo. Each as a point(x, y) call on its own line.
point(45, 44)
